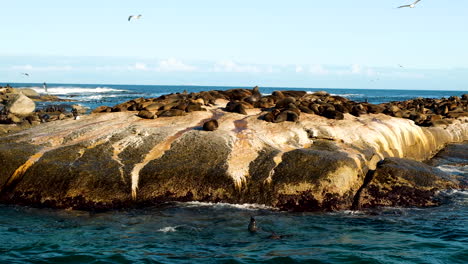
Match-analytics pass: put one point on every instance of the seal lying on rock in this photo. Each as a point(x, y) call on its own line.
point(210, 125)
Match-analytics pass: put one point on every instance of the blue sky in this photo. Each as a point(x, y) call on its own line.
point(298, 43)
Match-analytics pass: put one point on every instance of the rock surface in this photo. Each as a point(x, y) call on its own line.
point(21, 105)
point(18, 110)
point(403, 182)
point(116, 159)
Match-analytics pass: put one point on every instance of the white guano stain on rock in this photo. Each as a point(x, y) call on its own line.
point(120, 146)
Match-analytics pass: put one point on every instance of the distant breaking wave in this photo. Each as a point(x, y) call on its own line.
point(75, 90)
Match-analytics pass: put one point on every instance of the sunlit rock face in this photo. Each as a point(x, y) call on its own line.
point(114, 160)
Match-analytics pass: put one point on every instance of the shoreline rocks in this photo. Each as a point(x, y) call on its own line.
point(150, 151)
point(18, 109)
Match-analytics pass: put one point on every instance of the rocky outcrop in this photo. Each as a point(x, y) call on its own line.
point(403, 182)
point(20, 105)
point(18, 110)
point(118, 159)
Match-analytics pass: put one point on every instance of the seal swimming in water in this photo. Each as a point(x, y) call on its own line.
point(252, 225)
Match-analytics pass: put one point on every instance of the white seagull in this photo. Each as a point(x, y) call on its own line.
point(25, 74)
point(134, 17)
point(411, 5)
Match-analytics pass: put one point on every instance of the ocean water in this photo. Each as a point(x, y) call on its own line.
point(217, 233)
point(92, 95)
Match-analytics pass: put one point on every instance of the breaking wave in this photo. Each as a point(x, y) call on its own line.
point(227, 205)
point(61, 90)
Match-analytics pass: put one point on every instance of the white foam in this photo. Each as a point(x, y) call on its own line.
point(100, 96)
point(228, 205)
point(462, 193)
point(74, 90)
point(451, 169)
point(167, 229)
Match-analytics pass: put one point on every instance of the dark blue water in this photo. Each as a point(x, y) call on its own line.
point(94, 95)
point(217, 233)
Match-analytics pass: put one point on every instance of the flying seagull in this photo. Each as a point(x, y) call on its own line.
point(411, 5)
point(401, 66)
point(25, 73)
point(135, 17)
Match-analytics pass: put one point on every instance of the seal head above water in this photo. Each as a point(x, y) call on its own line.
point(252, 225)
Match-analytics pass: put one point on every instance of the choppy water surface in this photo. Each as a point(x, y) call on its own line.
point(210, 233)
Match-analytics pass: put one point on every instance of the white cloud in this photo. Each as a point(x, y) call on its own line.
point(29, 67)
point(370, 72)
point(356, 69)
point(318, 69)
point(111, 68)
point(231, 66)
point(172, 65)
point(140, 66)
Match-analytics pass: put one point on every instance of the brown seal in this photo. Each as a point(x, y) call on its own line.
point(210, 125)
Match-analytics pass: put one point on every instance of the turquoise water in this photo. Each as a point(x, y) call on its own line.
point(217, 233)
point(210, 233)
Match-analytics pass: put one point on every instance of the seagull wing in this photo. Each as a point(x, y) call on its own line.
point(129, 18)
point(138, 16)
point(415, 2)
point(404, 6)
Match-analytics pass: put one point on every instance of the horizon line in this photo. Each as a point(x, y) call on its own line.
point(230, 86)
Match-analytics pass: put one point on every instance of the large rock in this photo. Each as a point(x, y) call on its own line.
point(28, 92)
point(114, 160)
point(403, 182)
point(21, 105)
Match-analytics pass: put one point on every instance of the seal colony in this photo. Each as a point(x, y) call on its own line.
point(292, 150)
point(288, 105)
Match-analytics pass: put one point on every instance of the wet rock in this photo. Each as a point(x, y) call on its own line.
point(402, 182)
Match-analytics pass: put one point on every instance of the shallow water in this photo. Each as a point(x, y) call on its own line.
point(217, 233)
